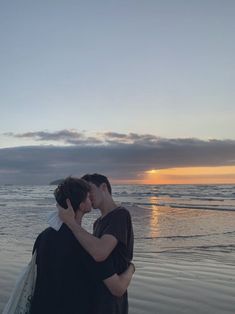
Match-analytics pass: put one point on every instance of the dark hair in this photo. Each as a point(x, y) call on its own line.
point(97, 179)
point(74, 189)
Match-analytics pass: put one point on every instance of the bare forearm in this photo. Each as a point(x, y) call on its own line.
point(118, 284)
point(98, 248)
point(89, 242)
point(125, 277)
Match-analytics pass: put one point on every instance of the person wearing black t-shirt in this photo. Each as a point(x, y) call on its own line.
point(112, 236)
point(68, 278)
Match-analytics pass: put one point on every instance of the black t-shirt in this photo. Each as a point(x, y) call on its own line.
point(117, 223)
point(67, 276)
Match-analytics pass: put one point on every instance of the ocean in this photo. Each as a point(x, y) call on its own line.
point(184, 243)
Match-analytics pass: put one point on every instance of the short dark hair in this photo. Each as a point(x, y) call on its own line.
point(74, 189)
point(98, 179)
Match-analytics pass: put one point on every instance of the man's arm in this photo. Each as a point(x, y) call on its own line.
point(118, 284)
point(98, 248)
point(105, 271)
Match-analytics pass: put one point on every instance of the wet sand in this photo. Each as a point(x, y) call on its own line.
point(167, 283)
point(188, 283)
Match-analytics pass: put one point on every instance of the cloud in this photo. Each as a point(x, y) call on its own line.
point(83, 138)
point(65, 136)
point(120, 156)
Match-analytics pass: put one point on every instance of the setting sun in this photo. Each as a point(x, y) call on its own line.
point(191, 175)
point(153, 171)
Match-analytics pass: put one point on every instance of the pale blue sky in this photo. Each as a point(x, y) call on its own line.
point(115, 82)
point(160, 67)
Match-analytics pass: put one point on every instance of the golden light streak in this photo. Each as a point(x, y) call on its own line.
point(184, 175)
point(154, 218)
point(191, 175)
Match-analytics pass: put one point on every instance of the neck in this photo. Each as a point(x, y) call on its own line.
point(107, 207)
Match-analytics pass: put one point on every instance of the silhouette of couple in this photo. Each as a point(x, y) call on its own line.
point(78, 272)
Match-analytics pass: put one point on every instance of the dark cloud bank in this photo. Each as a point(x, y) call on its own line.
point(120, 156)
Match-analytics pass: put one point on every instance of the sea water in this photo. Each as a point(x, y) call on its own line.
point(184, 243)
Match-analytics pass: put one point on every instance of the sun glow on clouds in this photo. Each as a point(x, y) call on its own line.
point(153, 171)
point(191, 175)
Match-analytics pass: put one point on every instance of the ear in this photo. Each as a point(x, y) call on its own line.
point(103, 186)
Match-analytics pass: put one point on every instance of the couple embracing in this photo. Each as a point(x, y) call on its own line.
point(81, 273)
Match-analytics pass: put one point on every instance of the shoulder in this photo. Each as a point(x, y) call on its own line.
point(119, 214)
point(121, 211)
point(44, 233)
point(49, 234)
point(41, 238)
point(62, 240)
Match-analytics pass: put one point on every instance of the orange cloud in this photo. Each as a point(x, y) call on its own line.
point(190, 175)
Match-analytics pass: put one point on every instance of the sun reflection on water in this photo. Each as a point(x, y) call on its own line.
point(154, 218)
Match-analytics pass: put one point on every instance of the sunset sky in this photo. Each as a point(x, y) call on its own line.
point(142, 91)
